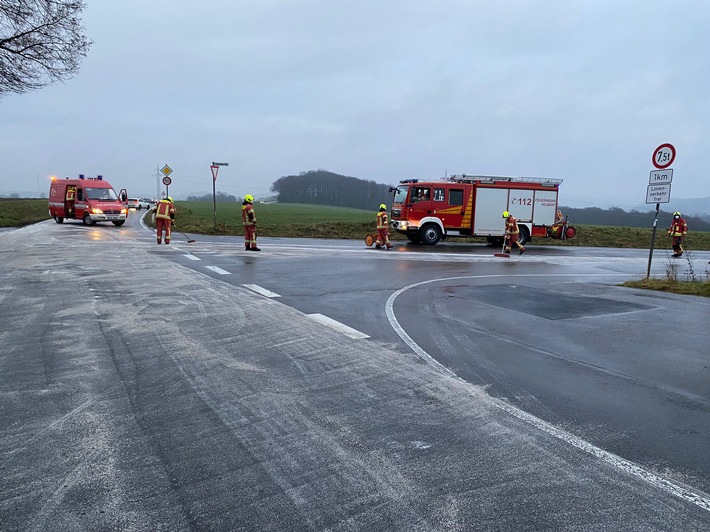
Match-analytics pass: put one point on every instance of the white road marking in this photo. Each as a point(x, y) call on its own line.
point(610, 458)
point(259, 290)
point(218, 270)
point(192, 257)
point(347, 331)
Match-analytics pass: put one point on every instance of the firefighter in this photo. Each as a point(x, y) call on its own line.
point(511, 233)
point(164, 212)
point(70, 197)
point(383, 234)
point(678, 230)
point(249, 221)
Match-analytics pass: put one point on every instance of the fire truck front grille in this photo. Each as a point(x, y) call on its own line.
point(112, 212)
point(396, 212)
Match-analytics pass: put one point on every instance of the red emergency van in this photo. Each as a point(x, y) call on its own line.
point(89, 199)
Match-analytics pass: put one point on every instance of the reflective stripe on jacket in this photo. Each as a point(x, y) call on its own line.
point(511, 226)
point(678, 228)
point(164, 210)
point(248, 214)
point(382, 220)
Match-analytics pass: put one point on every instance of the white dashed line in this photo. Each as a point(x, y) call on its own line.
point(347, 331)
point(218, 270)
point(259, 290)
point(191, 257)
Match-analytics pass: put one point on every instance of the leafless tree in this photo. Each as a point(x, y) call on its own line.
point(41, 41)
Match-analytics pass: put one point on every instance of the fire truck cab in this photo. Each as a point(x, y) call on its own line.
point(466, 205)
point(89, 199)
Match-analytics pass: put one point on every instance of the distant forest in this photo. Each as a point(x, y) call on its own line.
point(326, 188)
point(620, 218)
point(220, 197)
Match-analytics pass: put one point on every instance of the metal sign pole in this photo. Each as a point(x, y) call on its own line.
point(215, 170)
point(653, 240)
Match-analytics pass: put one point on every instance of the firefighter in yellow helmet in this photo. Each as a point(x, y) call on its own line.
point(249, 221)
point(678, 230)
point(512, 232)
point(383, 234)
point(164, 218)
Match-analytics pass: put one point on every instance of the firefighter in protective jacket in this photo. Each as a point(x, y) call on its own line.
point(383, 234)
point(164, 218)
point(678, 230)
point(512, 232)
point(249, 221)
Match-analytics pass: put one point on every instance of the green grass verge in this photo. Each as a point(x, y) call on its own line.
point(19, 212)
point(689, 288)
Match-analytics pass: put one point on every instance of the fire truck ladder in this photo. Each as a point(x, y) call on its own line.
point(466, 178)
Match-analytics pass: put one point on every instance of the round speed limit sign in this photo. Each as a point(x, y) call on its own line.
point(664, 156)
point(167, 180)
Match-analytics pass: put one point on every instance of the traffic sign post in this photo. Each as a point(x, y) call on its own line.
point(167, 181)
point(215, 169)
point(659, 188)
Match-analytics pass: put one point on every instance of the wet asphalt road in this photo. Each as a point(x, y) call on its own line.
point(455, 390)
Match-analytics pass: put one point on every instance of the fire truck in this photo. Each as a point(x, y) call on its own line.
point(471, 205)
point(89, 199)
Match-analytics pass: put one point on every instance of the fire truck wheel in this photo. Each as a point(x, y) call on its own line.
point(430, 234)
point(58, 219)
point(119, 223)
point(88, 220)
point(524, 236)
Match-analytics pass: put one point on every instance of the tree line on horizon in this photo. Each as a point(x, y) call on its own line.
point(321, 187)
point(220, 197)
point(618, 217)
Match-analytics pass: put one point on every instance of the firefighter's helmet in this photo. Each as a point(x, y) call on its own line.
point(249, 198)
point(169, 199)
point(506, 214)
point(676, 214)
point(383, 207)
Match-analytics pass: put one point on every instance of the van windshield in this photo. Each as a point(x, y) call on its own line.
point(107, 194)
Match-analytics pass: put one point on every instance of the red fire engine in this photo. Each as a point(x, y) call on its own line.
point(467, 205)
point(89, 199)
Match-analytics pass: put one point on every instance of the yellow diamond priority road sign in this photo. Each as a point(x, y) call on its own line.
point(166, 170)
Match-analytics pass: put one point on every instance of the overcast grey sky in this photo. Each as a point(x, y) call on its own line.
point(579, 90)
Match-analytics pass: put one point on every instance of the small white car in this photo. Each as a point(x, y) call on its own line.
point(138, 203)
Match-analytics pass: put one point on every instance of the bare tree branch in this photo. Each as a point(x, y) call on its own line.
point(41, 41)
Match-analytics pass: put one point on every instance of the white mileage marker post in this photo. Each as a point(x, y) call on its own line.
point(659, 187)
